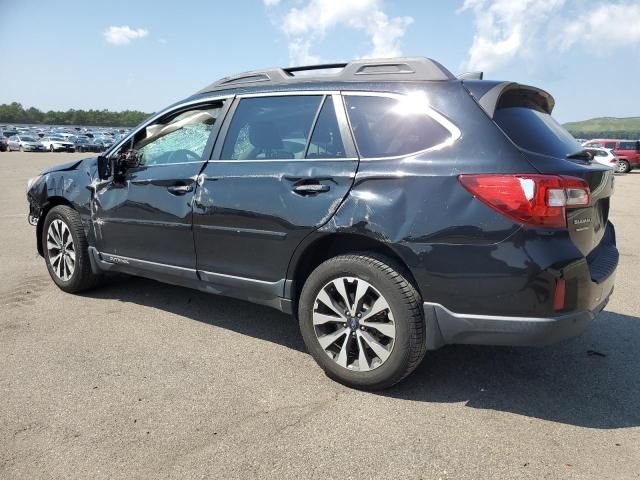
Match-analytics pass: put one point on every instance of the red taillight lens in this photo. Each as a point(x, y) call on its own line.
point(538, 200)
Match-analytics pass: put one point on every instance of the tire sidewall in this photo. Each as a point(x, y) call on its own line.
point(58, 214)
point(623, 167)
point(394, 368)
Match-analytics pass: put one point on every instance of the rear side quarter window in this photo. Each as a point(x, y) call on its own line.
point(390, 126)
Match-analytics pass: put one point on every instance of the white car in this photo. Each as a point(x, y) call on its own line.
point(604, 156)
point(57, 144)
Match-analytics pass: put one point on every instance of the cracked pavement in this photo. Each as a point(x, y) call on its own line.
point(140, 379)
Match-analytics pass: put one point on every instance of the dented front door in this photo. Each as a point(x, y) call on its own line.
point(147, 215)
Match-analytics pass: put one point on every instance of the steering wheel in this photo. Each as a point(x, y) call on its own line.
point(178, 156)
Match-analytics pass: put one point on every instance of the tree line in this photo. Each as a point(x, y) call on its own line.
point(624, 134)
point(16, 113)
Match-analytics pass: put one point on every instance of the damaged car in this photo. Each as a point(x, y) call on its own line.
point(392, 207)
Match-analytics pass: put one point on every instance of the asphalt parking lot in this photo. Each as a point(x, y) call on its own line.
point(140, 379)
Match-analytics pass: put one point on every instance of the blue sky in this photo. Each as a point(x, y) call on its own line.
point(146, 54)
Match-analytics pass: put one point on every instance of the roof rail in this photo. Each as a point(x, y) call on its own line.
point(471, 76)
point(381, 69)
point(322, 66)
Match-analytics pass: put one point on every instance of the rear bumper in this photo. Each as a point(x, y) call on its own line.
point(447, 327)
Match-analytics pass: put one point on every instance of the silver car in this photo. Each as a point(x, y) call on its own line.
point(24, 143)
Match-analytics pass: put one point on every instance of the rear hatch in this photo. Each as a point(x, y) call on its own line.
point(524, 115)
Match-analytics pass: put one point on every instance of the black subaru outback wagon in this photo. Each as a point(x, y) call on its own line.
point(391, 206)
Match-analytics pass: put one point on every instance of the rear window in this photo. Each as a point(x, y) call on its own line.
point(628, 145)
point(536, 131)
point(389, 127)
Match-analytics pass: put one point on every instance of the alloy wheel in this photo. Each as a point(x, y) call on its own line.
point(621, 167)
point(353, 324)
point(61, 250)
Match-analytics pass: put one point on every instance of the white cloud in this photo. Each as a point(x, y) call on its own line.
point(271, 3)
point(607, 27)
point(506, 29)
point(531, 30)
point(123, 35)
point(307, 25)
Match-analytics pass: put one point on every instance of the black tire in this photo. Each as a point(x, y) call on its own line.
point(51, 149)
point(405, 304)
point(623, 167)
point(82, 277)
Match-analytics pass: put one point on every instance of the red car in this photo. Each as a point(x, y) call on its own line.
point(628, 152)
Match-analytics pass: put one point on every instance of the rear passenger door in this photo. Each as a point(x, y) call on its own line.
point(629, 151)
point(280, 169)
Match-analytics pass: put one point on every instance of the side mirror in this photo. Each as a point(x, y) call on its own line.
point(104, 167)
point(130, 159)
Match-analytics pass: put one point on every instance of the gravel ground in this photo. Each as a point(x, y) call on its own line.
point(140, 379)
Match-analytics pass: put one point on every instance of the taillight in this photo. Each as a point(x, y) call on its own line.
point(538, 200)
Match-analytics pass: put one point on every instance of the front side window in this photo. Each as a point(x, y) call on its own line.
point(179, 138)
point(266, 128)
point(610, 145)
point(389, 127)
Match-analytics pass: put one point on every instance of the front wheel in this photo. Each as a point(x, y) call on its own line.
point(66, 250)
point(361, 319)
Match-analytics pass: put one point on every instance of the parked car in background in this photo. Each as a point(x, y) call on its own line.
point(604, 156)
point(102, 143)
point(628, 151)
point(393, 214)
point(8, 133)
point(25, 143)
point(57, 144)
point(84, 145)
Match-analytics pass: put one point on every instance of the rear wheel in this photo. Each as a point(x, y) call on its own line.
point(361, 320)
point(623, 166)
point(66, 250)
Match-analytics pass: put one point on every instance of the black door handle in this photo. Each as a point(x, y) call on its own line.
point(180, 189)
point(311, 188)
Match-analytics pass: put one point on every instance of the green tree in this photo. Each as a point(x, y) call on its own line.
point(15, 113)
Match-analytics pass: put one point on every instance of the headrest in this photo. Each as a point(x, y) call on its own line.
point(264, 135)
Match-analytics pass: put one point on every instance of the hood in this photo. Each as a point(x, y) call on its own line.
point(68, 166)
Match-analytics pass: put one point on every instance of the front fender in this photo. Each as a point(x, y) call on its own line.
point(69, 184)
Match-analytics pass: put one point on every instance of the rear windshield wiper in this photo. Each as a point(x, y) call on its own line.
point(580, 155)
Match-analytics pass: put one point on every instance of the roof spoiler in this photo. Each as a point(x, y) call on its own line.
point(493, 95)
